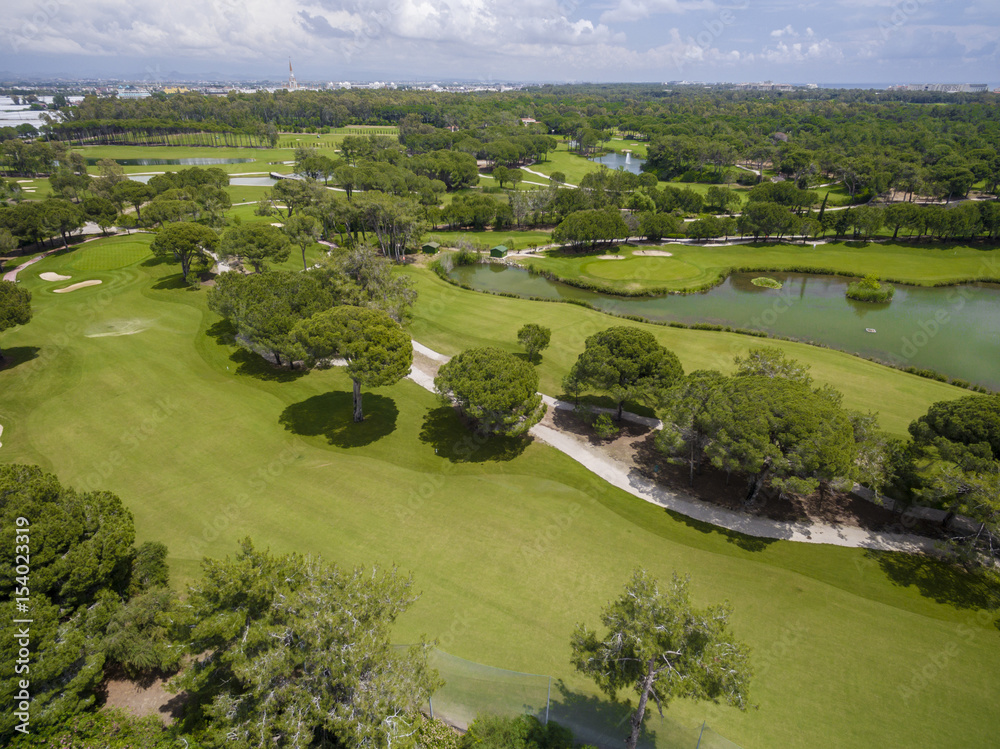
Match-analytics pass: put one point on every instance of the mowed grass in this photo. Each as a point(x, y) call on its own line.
point(508, 550)
point(515, 240)
point(450, 319)
point(694, 267)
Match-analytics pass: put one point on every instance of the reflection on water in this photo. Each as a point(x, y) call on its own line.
point(625, 161)
point(172, 162)
point(954, 330)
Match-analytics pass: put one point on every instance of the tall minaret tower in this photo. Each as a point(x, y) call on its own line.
point(292, 85)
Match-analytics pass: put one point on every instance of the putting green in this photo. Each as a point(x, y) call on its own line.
point(509, 548)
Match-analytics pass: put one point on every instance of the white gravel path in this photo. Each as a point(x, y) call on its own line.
point(628, 479)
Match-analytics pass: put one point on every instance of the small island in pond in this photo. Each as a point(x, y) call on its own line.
point(870, 289)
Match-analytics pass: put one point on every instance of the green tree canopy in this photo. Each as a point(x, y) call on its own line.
point(970, 421)
point(256, 244)
point(658, 645)
point(361, 277)
point(15, 307)
point(687, 418)
point(534, 338)
point(495, 388)
point(377, 349)
point(82, 554)
point(294, 652)
point(627, 363)
point(265, 307)
point(780, 432)
point(189, 244)
point(770, 361)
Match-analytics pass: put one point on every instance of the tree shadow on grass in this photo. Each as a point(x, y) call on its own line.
point(331, 415)
point(938, 580)
point(598, 721)
point(222, 331)
point(453, 439)
point(742, 540)
point(171, 283)
point(249, 364)
point(16, 355)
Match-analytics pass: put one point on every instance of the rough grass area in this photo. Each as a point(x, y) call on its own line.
point(511, 545)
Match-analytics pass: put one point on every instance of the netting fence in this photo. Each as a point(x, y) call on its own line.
point(471, 688)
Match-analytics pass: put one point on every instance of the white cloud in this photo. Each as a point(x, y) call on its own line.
point(626, 11)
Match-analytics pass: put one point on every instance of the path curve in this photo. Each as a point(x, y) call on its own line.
point(627, 478)
point(11, 275)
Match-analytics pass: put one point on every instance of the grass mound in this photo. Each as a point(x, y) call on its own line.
point(768, 283)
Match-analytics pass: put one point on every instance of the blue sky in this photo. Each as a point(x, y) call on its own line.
point(834, 41)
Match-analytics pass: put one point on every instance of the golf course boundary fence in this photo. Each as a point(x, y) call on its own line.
point(471, 688)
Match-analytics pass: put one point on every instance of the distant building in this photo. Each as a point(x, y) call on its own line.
point(292, 83)
point(528, 121)
point(946, 88)
point(499, 251)
point(764, 86)
point(132, 93)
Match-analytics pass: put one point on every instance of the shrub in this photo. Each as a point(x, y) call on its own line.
point(433, 734)
point(869, 289)
point(520, 732)
point(604, 427)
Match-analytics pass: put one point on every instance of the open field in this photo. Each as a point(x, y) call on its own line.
point(132, 386)
point(693, 267)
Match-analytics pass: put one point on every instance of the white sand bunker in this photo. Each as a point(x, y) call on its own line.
point(653, 253)
point(81, 285)
point(610, 257)
point(53, 277)
point(113, 328)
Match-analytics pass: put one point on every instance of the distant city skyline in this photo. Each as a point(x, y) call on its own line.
point(846, 41)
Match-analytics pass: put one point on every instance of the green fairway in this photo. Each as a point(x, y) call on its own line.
point(516, 240)
point(694, 267)
point(132, 386)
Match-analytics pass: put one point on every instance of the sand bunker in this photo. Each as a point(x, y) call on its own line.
point(81, 285)
point(53, 277)
point(114, 328)
point(653, 253)
point(610, 257)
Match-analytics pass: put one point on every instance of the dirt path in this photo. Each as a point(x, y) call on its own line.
point(627, 477)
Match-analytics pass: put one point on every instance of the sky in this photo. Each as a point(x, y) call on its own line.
point(790, 41)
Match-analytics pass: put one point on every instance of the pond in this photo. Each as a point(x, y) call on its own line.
point(233, 181)
point(625, 161)
point(170, 162)
point(954, 330)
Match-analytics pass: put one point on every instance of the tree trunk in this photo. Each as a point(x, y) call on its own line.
point(304, 266)
point(621, 406)
point(358, 415)
point(640, 711)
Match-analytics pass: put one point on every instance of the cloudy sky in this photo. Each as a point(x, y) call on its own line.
point(796, 41)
